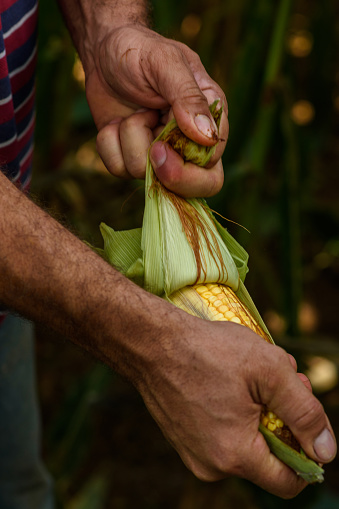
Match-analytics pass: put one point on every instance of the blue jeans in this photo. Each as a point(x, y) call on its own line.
point(24, 481)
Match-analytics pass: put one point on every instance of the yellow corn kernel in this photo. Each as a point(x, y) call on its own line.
point(264, 421)
point(271, 426)
point(219, 316)
point(215, 290)
point(235, 319)
point(217, 303)
point(270, 420)
point(223, 300)
point(201, 289)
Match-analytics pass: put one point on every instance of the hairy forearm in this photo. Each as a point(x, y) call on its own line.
point(49, 275)
point(89, 21)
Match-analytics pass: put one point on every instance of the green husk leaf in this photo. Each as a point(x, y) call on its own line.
point(164, 240)
point(238, 253)
point(306, 468)
point(188, 149)
point(123, 251)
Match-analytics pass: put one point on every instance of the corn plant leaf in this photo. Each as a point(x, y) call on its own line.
point(122, 249)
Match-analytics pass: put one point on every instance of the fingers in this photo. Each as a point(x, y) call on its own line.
point(183, 178)
point(302, 377)
point(305, 381)
point(123, 144)
point(190, 91)
point(292, 361)
point(286, 394)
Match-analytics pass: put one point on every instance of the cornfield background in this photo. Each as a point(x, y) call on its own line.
point(278, 64)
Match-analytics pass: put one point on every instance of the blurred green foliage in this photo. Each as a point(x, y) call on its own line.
point(278, 64)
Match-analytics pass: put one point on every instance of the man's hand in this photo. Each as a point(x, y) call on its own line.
point(207, 394)
point(136, 80)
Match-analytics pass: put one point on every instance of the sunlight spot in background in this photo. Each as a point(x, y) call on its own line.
point(87, 157)
point(323, 373)
point(302, 112)
point(300, 43)
point(276, 324)
point(190, 26)
point(308, 318)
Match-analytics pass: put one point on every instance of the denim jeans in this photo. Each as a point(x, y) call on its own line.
point(24, 481)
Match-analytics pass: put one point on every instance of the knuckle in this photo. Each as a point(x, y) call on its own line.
point(130, 123)
point(112, 159)
point(215, 181)
point(292, 488)
point(136, 164)
point(207, 475)
point(201, 470)
point(310, 415)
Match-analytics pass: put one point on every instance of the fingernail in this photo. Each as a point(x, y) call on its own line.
point(324, 446)
point(206, 126)
point(158, 155)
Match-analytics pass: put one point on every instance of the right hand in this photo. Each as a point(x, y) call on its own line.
point(206, 390)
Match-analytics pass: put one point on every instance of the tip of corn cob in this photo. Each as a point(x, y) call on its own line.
point(304, 467)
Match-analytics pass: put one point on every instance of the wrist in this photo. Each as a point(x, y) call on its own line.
point(89, 23)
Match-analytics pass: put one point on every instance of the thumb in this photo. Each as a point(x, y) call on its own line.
point(301, 411)
point(189, 90)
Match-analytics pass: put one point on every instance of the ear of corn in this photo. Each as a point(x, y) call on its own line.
point(183, 254)
point(218, 302)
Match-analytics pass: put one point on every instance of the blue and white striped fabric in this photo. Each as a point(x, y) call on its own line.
point(18, 33)
point(18, 49)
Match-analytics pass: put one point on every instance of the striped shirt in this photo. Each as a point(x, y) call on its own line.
point(18, 50)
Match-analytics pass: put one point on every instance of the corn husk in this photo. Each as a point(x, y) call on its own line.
point(181, 243)
point(303, 466)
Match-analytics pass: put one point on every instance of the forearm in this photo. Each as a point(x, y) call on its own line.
point(49, 275)
point(89, 21)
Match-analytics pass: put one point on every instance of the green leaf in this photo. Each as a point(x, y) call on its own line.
point(306, 468)
point(121, 249)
